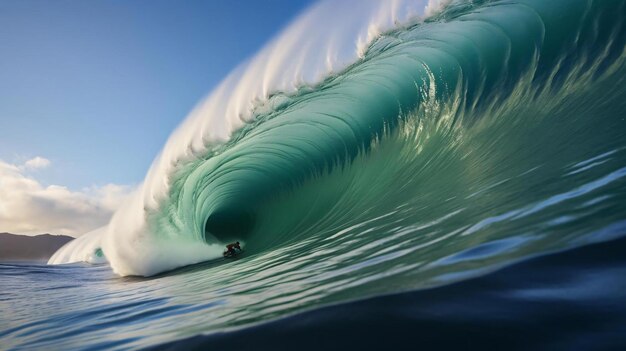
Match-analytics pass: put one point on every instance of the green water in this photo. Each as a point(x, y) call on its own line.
point(491, 133)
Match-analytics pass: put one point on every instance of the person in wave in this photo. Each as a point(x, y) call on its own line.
point(231, 249)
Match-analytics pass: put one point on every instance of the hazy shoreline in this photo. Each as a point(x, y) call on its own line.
point(26, 248)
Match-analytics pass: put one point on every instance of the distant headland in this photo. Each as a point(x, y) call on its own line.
point(41, 247)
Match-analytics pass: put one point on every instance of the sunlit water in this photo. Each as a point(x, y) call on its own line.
point(490, 134)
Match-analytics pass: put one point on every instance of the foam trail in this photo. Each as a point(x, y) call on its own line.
point(138, 241)
point(86, 249)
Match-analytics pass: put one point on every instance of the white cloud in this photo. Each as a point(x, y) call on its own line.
point(36, 163)
point(28, 207)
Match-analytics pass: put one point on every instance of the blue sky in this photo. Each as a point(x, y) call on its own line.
point(96, 87)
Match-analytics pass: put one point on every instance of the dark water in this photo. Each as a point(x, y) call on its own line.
point(574, 299)
point(488, 135)
point(565, 301)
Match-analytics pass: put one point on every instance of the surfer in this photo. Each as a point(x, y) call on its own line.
point(230, 249)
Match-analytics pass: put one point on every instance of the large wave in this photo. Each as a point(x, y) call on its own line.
point(404, 112)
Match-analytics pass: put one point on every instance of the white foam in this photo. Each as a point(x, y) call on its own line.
point(82, 249)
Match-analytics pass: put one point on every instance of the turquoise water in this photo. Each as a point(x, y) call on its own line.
point(490, 133)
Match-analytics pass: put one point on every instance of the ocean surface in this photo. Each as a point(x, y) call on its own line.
point(460, 183)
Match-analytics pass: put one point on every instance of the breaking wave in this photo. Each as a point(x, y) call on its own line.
point(405, 138)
